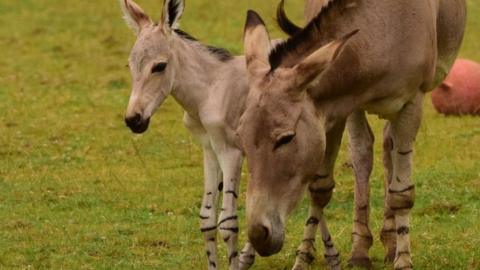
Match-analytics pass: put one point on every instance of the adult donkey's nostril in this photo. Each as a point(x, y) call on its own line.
point(267, 238)
point(259, 236)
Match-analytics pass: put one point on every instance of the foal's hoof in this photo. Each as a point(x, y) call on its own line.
point(363, 262)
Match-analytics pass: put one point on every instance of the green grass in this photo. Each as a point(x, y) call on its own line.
point(79, 191)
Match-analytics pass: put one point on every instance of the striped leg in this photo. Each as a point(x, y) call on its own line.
point(208, 224)
point(388, 234)
point(247, 257)
point(306, 251)
point(401, 190)
point(231, 163)
point(332, 256)
point(321, 190)
point(361, 151)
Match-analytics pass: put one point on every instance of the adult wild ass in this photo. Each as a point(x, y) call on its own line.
point(354, 56)
point(211, 86)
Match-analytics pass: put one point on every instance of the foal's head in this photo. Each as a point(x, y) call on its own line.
point(150, 61)
point(280, 130)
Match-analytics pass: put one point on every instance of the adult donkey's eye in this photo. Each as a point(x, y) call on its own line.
point(284, 139)
point(158, 68)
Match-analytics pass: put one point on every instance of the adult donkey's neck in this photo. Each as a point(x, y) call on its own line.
point(198, 70)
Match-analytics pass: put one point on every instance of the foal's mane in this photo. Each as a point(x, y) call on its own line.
point(302, 41)
point(220, 53)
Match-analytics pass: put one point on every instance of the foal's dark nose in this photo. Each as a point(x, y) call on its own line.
point(136, 123)
point(133, 120)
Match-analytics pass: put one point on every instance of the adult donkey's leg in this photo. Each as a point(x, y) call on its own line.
point(361, 151)
point(247, 257)
point(321, 190)
point(401, 190)
point(208, 215)
point(231, 163)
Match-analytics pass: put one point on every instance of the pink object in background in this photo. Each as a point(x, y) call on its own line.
point(459, 94)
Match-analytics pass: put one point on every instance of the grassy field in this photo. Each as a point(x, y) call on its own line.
point(79, 191)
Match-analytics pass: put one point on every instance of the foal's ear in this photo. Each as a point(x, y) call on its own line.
point(257, 45)
point(312, 66)
point(133, 14)
point(171, 14)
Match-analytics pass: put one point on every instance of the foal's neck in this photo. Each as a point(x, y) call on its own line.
point(197, 72)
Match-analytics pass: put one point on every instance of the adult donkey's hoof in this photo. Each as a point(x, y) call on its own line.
point(300, 266)
point(389, 257)
point(245, 265)
point(363, 262)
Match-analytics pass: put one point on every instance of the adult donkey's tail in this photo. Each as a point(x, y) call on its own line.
point(284, 22)
point(451, 20)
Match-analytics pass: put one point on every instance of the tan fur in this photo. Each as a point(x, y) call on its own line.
point(212, 92)
point(402, 50)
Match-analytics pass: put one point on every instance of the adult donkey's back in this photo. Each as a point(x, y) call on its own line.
point(301, 94)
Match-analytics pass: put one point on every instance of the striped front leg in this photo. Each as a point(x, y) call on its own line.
point(306, 251)
point(208, 224)
point(321, 190)
point(247, 257)
point(231, 163)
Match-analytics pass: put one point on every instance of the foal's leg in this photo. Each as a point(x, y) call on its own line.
point(321, 190)
point(388, 235)
point(231, 163)
point(361, 151)
point(208, 215)
point(401, 190)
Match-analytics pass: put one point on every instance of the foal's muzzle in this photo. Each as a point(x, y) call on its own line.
point(137, 124)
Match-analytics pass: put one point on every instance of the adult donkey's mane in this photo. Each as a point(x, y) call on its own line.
point(303, 41)
point(221, 53)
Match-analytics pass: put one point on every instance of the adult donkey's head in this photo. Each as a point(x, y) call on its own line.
point(280, 129)
point(150, 60)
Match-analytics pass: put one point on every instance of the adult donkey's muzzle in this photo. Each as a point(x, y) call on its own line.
point(137, 124)
point(267, 237)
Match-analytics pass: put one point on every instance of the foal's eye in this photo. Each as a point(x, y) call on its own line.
point(285, 139)
point(158, 68)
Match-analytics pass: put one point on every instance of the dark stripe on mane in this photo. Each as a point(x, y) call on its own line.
point(291, 51)
point(221, 53)
point(284, 22)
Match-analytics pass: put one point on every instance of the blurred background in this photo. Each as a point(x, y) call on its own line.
point(79, 191)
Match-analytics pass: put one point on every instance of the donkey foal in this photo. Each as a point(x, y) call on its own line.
point(211, 86)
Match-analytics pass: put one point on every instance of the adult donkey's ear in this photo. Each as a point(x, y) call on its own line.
point(172, 12)
point(313, 65)
point(133, 14)
point(257, 45)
